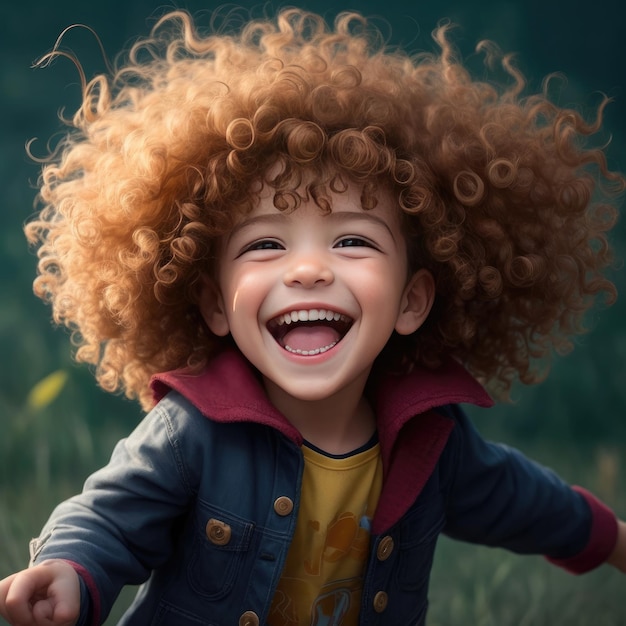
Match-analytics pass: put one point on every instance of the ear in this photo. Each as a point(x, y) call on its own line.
point(212, 308)
point(417, 301)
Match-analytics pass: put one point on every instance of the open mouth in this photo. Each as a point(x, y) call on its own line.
point(308, 332)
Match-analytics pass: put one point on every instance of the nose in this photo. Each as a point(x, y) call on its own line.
point(308, 271)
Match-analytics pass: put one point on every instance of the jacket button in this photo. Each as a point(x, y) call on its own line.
point(218, 532)
point(249, 618)
point(283, 505)
point(380, 601)
point(385, 548)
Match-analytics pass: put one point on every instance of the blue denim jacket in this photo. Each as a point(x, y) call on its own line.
point(202, 511)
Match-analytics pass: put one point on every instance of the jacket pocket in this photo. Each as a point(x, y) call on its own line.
point(220, 547)
point(168, 615)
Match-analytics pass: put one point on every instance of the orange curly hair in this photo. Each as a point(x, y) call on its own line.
point(498, 191)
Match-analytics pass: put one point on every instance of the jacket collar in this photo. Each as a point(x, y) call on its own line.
point(397, 399)
point(227, 390)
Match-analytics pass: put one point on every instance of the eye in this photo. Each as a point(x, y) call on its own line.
point(352, 242)
point(263, 244)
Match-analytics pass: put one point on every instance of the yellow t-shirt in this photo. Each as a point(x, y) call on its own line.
point(323, 575)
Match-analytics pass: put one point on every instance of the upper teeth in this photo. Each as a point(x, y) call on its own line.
point(309, 315)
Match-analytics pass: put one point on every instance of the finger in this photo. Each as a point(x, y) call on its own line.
point(24, 589)
point(55, 611)
point(44, 613)
point(5, 585)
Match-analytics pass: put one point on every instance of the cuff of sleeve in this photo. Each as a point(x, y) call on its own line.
point(602, 538)
point(89, 596)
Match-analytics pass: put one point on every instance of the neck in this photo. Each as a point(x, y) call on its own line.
point(337, 424)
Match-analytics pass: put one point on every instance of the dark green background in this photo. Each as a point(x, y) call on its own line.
point(584, 401)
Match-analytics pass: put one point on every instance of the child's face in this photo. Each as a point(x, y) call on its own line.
point(311, 298)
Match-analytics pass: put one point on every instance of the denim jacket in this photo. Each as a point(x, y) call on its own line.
point(199, 503)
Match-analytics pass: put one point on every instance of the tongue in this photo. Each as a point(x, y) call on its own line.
point(307, 338)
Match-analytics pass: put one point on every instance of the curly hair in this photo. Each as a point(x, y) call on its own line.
point(502, 198)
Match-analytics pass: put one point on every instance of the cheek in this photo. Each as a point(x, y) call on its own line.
point(380, 285)
point(243, 291)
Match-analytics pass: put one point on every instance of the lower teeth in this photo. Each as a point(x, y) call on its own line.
point(310, 352)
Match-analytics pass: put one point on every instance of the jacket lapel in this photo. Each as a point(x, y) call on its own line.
point(413, 435)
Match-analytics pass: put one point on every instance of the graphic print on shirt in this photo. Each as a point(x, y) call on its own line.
point(345, 536)
point(340, 551)
point(323, 577)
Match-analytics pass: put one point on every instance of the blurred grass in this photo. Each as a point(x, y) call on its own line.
point(474, 586)
point(47, 460)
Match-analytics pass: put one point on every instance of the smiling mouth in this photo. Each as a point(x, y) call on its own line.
point(308, 332)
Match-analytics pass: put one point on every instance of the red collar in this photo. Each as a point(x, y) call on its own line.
point(227, 390)
point(397, 399)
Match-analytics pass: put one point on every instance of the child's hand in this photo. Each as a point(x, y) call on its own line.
point(44, 595)
point(618, 556)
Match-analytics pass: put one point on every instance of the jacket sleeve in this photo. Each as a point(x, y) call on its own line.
point(499, 497)
point(121, 526)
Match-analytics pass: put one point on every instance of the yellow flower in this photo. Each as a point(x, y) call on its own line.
point(46, 390)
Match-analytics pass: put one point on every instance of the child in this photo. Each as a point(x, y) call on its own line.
point(299, 245)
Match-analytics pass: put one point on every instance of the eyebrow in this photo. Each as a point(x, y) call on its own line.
point(338, 216)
